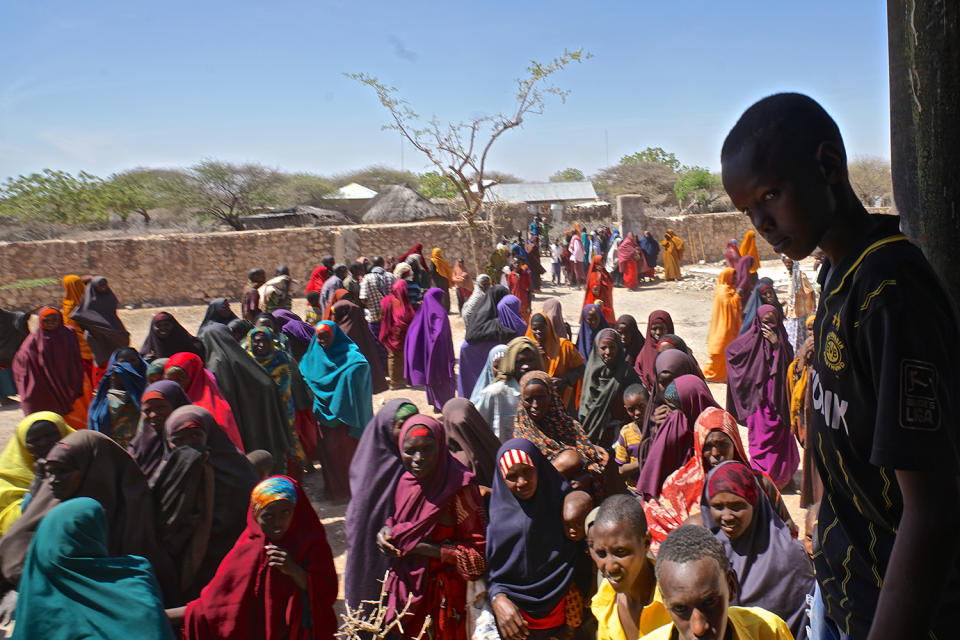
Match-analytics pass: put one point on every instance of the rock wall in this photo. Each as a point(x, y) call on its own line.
point(191, 268)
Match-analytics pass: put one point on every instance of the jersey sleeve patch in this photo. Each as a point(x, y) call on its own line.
point(919, 405)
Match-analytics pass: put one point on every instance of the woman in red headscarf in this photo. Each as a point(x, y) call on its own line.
point(627, 260)
point(398, 313)
point(600, 289)
point(186, 369)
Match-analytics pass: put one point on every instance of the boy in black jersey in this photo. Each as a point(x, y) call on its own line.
point(885, 378)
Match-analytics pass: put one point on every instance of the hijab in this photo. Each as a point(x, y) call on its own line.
point(69, 581)
point(632, 350)
point(339, 377)
point(587, 334)
point(468, 308)
point(442, 266)
point(509, 314)
point(317, 278)
point(470, 439)
point(773, 569)
point(603, 385)
point(749, 248)
point(73, 290)
point(97, 316)
point(398, 313)
point(417, 249)
point(529, 559)
point(47, 369)
point(755, 300)
point(13, 331)
point(214, 314)
point(350, 318)
point(179, 340)
point(486, 376)
point(148, 447)
point(203, 390)
point(485, 325)
point(428, 352)
point(553, 312)
point(745, 277)
point(650, 248)
point(292, 325)
point(134, 380)
point(628, 248)
point(752, 362)
point(598, 277)
point(732, 253)
point(372, 502)
point(645, 364)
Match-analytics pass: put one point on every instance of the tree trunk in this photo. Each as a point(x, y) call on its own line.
point(924, 48)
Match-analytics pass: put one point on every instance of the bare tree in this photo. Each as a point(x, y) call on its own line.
point(871, 180)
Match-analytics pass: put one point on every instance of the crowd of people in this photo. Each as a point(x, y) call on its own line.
point(553, 485)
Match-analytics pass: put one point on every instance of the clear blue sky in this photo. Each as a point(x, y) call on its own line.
point(109, 85)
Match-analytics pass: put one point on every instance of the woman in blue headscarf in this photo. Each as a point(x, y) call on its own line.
point(339, 376)
point(115, 410)
point(591, 323)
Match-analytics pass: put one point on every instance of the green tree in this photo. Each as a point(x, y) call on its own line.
point(653, 154)
point(568, 175)
point(303, 188)
point(140, 190)
point(435, 185)
point(376, 177)
point(56, 196)
point(697, 188)
point(228, 192)
point(651, 180)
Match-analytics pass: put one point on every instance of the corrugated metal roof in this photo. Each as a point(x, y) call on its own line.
point(354, 191)
point(542, 192)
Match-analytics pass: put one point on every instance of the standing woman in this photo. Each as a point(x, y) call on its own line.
point(102, 328)
point(483, 331)
point(650, 249)
point(533, 261)
point(187, 370)
point(349, 317)
point(339, 377)
point(463, 283)
point(599, 289)
point(47, 368)
point(611, 263)
point(428, 352)
point(744, 279)
point(577, 256)
point(757, 394)
point(602, 410)
point(732, 253)
point(749, 248)
point(531, 562)
point(497, 402)
point(73, 290)
point(672, 255)
point(398, 313)
point(435, 536)
point(441, 275)
point(725, 320)
point(627, 259)
point(166, 337)
point(659, 324)
point(563, 361)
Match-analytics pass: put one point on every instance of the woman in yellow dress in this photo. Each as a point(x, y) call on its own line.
point(725, 321)
point(672, 254)
point(749, 248)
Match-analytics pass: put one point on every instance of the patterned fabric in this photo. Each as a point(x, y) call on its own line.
point(627, 449)
point(277, 363)
point(512, 457)
point(312, 316)
point(271, 490)
point(374, 286)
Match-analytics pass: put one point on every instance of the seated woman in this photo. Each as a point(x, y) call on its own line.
point(531, 561)
point(278, 581)
point(602, 410)
point(591, 322)
point(41, 384)
point(261, 414)
point(187, 370)
point(470, 440)
point(339, 377)
point(90, 464)
point(435, 536)
point(19, 475)
point(564, 364)
point(428, 352)
point(773, 569)
point(716, 439)
point(201, 491)
point(70, 579)
point(115, 409)
point(166, 337)
point(757, 363)
point(543, 420)
point(219, 311)
point(371, 502)
point(497, 402)
point(159, 400)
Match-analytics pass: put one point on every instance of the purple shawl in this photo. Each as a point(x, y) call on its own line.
point(291, 324)
point(672, 445)
point(473, 358)
point(752, 361)
point(743, 280)
point(508, 312)
point(646, 360)
point(428, 352)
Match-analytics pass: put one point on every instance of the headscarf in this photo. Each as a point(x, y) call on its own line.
point(755, 300)
point(337, 296)
point(97, 316)
point(372, 502)
point(469, 307)
point(486, 376)
point(558, 431)
point(485, 325)
point(261, 413)
point(17, 466)
point(497, 401)
point(442, 266)
point(744, 278)
point(752, 361)
point(204, 391)
point(112, 478)
point(73, 290)
point(292, 325)
point(213, 314)
point(428, 352)
point(650, 248)
point(13, 331)
point(350, 318)
point(317, 278)
point(178, 341)
point(773, 570)
point(749, 247)
point(612, 261)
point(272, 490)
point(529, 559)
point(672, 445)
point(645, 364)
point(339, 377)
point(561, 354)
point(69, 579)
point(416, 250)
point(632, 350)
point(586, 336)
point(462, 279)
point(725, 319)
point(148, 447)
point(134, 377)
point(603, 384)
point(249, 600)
point(470, 439)
point(509, 314)
point(553, 311)
point(598, 276)
point(732, 253)
point(418, 504)
point(397, 315)
point(47, 369)
point(628, 248)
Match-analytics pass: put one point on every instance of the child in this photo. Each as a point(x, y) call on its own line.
point(262, 462)
point(314, 313)
point(556, 262)
point(576, 506)
point(883, 382)
point(626, 453)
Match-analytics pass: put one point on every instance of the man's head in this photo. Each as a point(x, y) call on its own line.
point(257, 276)
point(576, 506)
point(696, 583)
point(313, 298)
point(357, 270)
point(340, 270)
point(785, 166)
point(378, 261)
point(621, 541)
point(282, 270)
point(327, 261)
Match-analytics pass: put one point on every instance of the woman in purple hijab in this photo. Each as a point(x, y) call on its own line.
point(483, 331)
point(428, 352)
point(672, 445)
point(508, 313)
point(744, 279)
point(757, 363)
point(298, 331)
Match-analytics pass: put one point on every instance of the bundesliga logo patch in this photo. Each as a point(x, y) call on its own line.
point(919, 408)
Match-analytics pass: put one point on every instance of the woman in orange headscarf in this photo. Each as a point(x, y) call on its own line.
point(672, 255)
point(600, 290)
point(441, 275)
point(338, 295)
point(725, 321)
point(749, 247)
point(73, 289)
point(561, 357)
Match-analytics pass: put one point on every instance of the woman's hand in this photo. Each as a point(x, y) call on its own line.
point(511, 624)
point(385, 543)
point(770, 335)
point(660, 413)
point(603, 455)
point(284, 562)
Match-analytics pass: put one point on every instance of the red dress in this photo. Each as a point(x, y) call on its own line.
point(520, 283)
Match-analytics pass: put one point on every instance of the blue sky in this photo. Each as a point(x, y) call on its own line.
point(108, 85)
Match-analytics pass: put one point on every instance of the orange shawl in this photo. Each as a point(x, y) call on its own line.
point(749, 247)
point(725, 320)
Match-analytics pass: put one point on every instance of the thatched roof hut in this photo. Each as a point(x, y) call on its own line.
point(400, 203)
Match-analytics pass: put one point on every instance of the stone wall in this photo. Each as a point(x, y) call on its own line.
point(191, 268)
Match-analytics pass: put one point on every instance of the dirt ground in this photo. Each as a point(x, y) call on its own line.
point(688, 301)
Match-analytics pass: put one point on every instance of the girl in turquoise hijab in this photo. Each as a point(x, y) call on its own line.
point(71, 589)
